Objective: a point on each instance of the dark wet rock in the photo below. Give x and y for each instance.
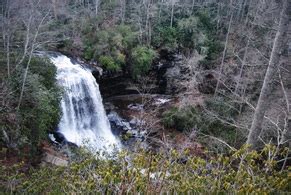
(59, 139)
(115, 86)
(97, 73)
(109, 106)
(125, 129)
(171, 72)
(118, 125)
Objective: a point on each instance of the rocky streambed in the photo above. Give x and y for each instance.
(135, 118)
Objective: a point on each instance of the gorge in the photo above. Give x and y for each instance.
(145, 97)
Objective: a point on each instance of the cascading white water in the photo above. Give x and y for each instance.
(84, 121)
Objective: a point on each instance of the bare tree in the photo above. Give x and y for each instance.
(225, 49)
(33, 46)
(172, 11)
(8, 36)
(256, 128)
(97, 2)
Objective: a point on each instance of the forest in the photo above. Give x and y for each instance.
(145, 96)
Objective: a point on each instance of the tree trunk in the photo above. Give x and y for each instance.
(172, 12)
(242, 9)
(148, 2)
(7, 34)
(256, 128)
(8, 55)
(242, 67)
(96, 7)
(192, 7)
(55, 8)
(224, 51)
(29, 58)
(218, 17)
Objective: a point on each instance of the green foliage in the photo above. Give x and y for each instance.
(189, 33)
(218, 116)
(39, 111)
(214, 48)
(108, 63)
(223, 107)
(213, 119)
(206, 23)
(211, 45)
(96, 44)
(108, 5)
(181, 119)
(121, 59)
(240, 172)
(129, 36)
(142, 58)
(165, 37)
(111, 47)
(46, 71)
(110, 42)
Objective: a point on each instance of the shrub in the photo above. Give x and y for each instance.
(166, 37)
(109, 64)
(108, 42)
(45, 69)
(214, 49)
(181, 119)
(189, 32)
(223, 107)
(39, 111)
(239, 172)
(120, 59)
(111, 47)
(211, 120)
(129, 37)
(218, 115)
(142, 58)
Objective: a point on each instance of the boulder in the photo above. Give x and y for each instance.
(53, 155)
(55, 160)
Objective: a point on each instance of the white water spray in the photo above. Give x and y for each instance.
(84, 121)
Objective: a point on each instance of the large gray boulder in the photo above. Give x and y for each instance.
(55, 160)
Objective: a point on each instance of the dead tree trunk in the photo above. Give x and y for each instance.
(192, 7)
(96, 7)
(172, 12)
(55, 8)
(224, 51)
(256, 128)
(29, 59)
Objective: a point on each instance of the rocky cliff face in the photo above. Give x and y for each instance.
(167, 76)
(171, 73)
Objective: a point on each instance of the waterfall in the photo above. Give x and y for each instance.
(84, 121)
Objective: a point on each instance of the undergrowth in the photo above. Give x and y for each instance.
(242, 171)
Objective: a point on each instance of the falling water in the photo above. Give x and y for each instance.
(84, 121)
